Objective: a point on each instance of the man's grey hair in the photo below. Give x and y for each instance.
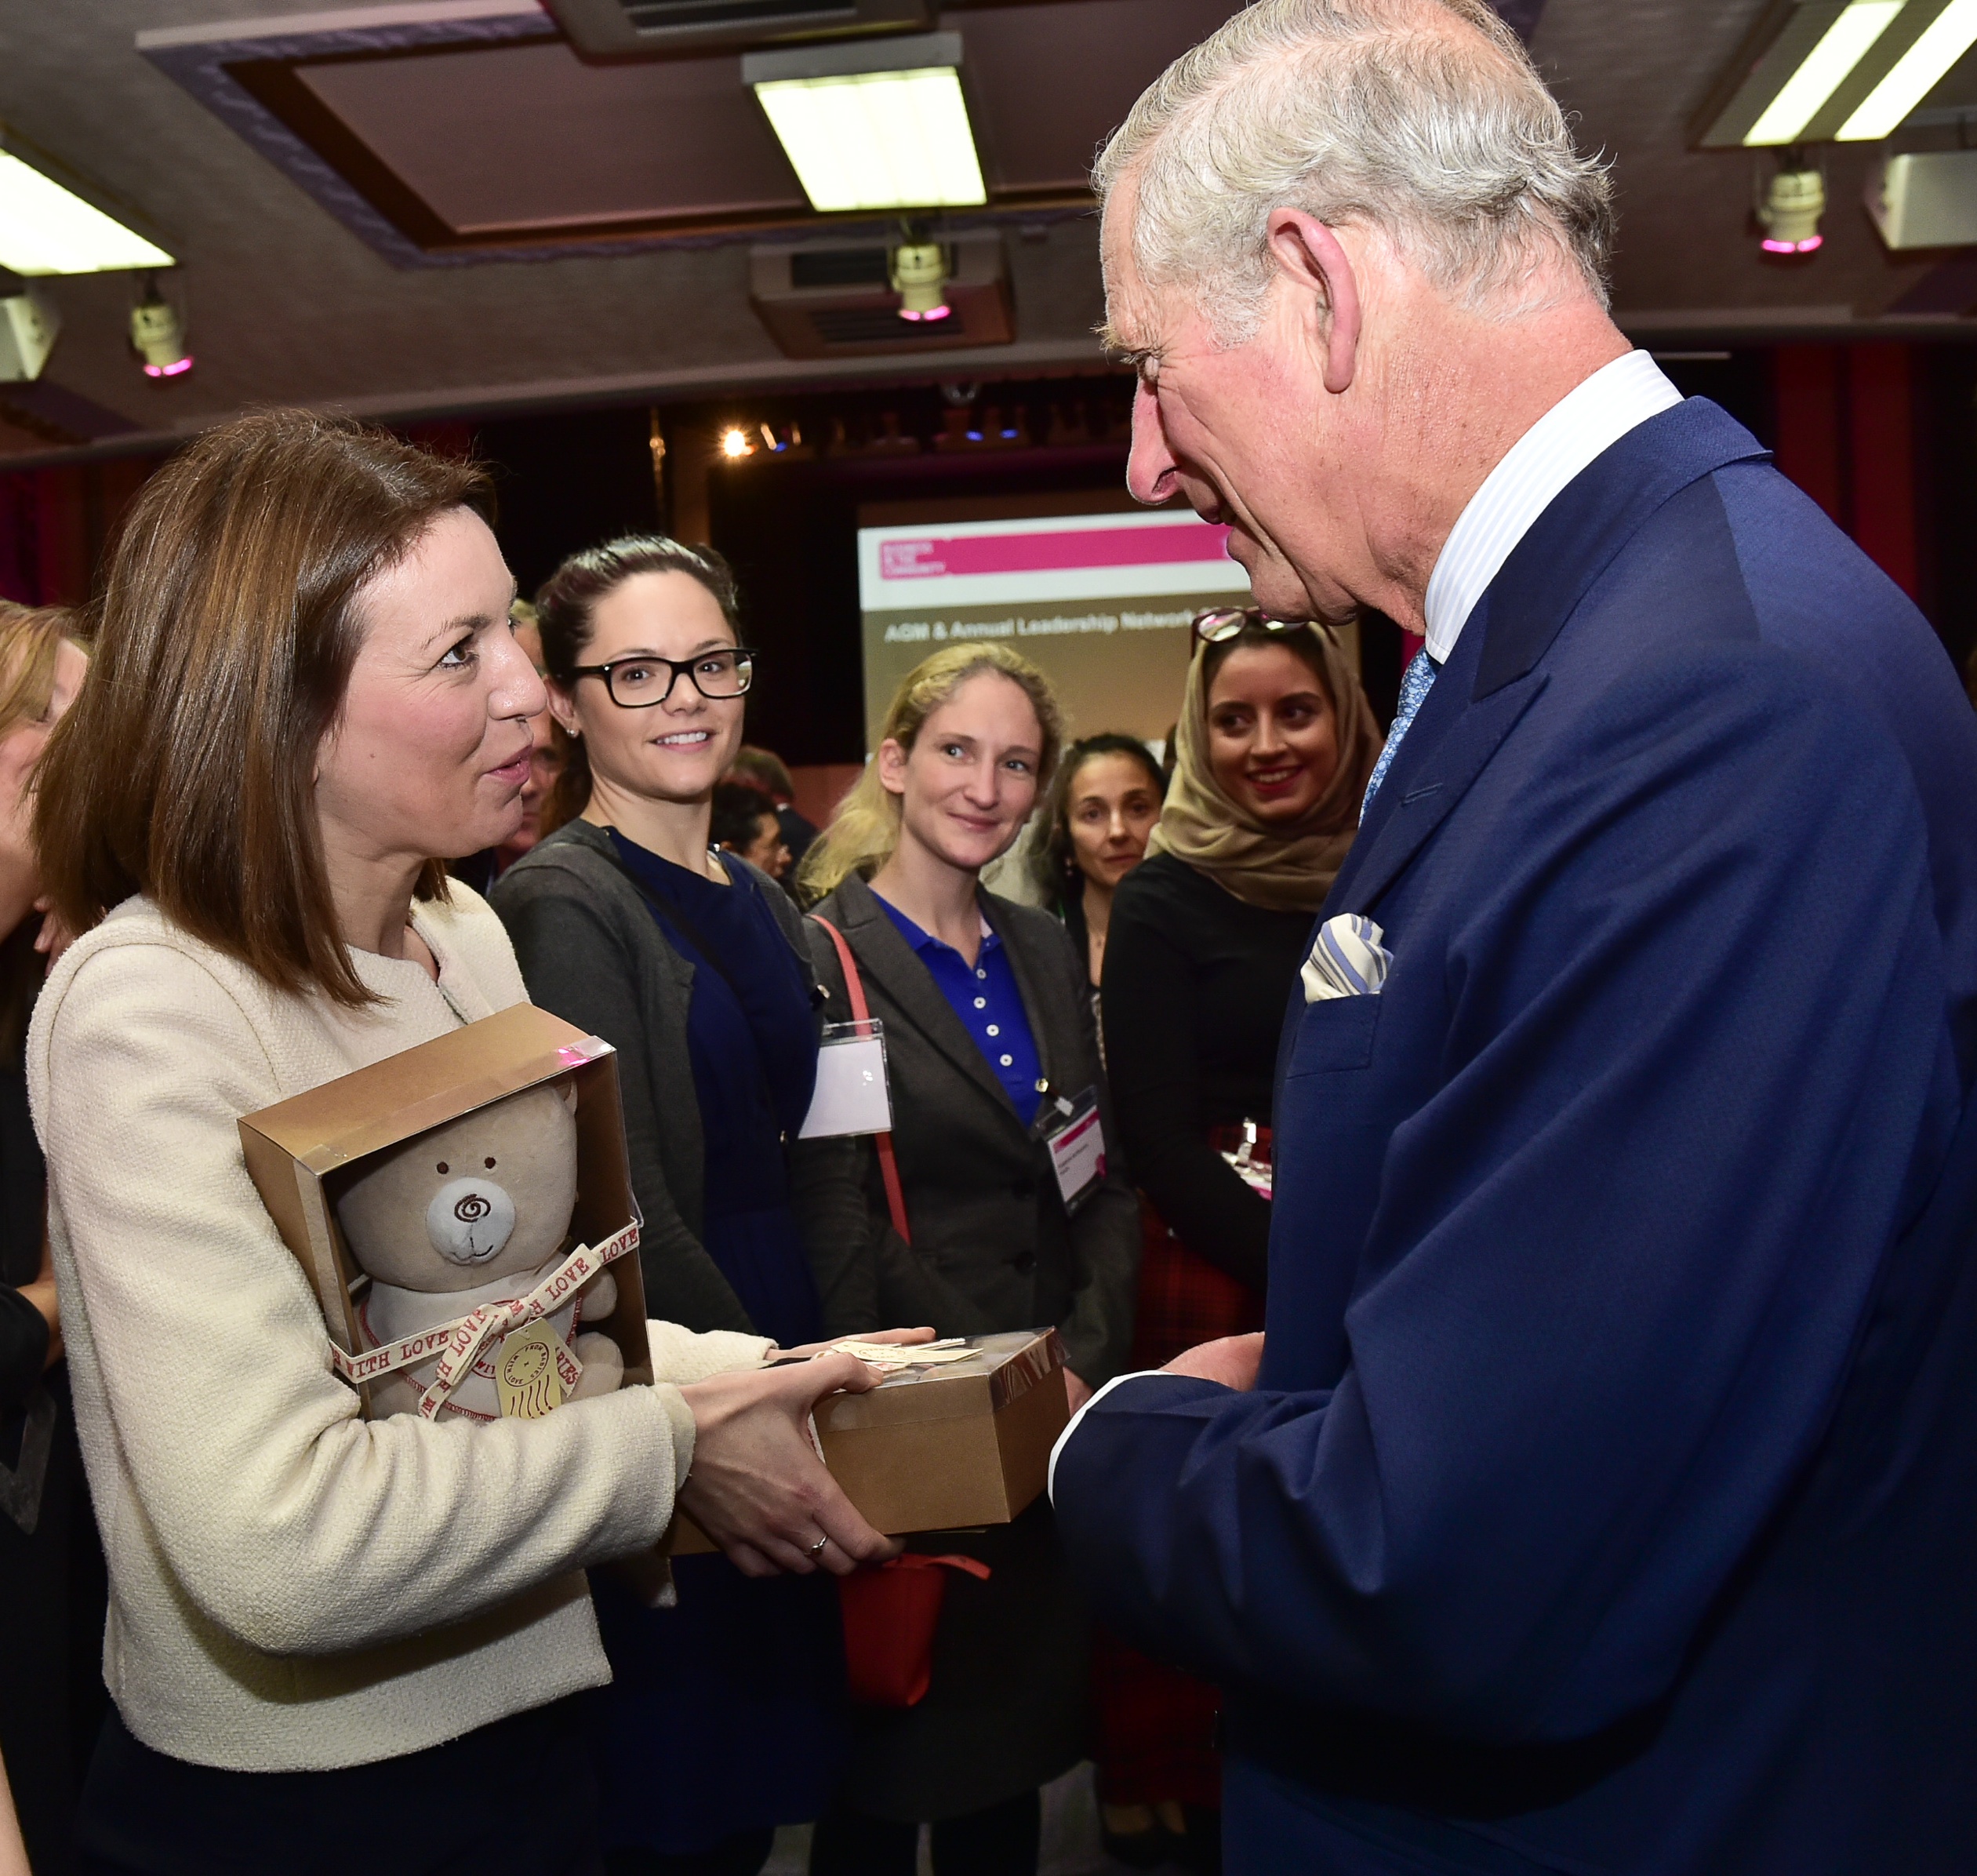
(1384, 112)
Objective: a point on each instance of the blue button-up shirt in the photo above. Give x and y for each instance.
(984, 995)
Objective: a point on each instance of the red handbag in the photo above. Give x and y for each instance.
(891, 1613)
(890, 1616)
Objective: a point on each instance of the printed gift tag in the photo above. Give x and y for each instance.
(526, 1373)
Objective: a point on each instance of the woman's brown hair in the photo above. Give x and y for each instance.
(229, 619)
(564, 607)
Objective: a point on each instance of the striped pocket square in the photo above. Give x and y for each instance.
(1347, 959)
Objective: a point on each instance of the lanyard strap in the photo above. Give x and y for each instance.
(888, 1160)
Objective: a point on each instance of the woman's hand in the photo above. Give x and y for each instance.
(811, 1350)
(758, 1488)
(1077, 1390)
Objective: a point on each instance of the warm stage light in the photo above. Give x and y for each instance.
(47, 229)
(873, 124)
(734, 442)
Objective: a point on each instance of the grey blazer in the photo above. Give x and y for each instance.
(993, 1247)
(592, 952)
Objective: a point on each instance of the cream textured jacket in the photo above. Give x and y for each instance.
(293, 1587)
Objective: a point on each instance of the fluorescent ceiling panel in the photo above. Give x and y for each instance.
(46, 229)
(1841, 48)
(878, 139)
(1914, 74)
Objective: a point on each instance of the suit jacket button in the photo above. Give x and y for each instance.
(1026, 1262)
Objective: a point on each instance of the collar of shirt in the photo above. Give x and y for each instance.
(1584, 423)
(921, 939)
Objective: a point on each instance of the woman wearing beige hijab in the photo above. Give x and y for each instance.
(1275, 745)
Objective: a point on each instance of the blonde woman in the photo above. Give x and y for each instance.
(51, 1569)
(987, 1020)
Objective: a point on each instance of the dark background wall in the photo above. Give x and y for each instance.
(1883, 435)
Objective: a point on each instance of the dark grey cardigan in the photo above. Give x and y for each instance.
(992, 1247)
(592, 952)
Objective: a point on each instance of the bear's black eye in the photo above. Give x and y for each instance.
(490, 1165)
(442, 1167)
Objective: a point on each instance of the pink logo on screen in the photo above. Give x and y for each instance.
(1054, 552)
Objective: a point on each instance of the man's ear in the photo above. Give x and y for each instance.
(1309, 255)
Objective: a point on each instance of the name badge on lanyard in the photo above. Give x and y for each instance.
(1071, 1129)
(851, 1096)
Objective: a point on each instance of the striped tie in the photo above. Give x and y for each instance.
(1416, 682)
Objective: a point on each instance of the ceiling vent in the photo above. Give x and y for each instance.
(836, 300)
(629, 29)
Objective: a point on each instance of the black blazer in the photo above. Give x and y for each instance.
(993, 1247)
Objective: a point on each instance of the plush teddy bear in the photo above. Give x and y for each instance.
(476, 1211)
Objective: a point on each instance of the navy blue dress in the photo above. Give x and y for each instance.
(727, 1714)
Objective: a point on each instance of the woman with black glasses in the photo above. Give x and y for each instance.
(693, 964)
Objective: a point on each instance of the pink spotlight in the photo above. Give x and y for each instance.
(933, 312)
(177, 368)
(1810, 246)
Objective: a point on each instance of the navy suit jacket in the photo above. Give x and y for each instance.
(1607, 1501)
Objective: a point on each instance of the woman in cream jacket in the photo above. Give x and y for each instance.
(330, 1640)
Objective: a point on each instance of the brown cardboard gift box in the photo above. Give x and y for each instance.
(947, 1447)
(302, 1152)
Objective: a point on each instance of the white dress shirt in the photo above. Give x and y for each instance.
(1584, 423)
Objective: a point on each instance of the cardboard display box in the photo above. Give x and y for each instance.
(943, 1448)
(303, 1153)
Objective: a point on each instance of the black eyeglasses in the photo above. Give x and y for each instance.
(641, 682)
(1220, 623)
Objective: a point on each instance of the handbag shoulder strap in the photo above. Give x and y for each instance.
(888, 1160)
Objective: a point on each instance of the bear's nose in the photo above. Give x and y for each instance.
(470, 1220)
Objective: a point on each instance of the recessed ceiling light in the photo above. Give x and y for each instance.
(873, 125)
(1914, 74)
(47, 229)
(1840, 48)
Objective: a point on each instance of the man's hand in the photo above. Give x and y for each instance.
(758, 1487)
(812, 1349)
(1233, 1360)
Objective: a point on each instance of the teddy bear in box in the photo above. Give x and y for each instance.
(476, 1211)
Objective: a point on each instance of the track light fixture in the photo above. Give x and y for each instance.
(918, 270)
(1789, 209)
(157, 335)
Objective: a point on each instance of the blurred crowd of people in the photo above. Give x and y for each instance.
(655, 892)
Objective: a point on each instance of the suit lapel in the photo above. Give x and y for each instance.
(886, 957)
(1493, 676)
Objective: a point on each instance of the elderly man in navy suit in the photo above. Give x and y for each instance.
(1602, 1497)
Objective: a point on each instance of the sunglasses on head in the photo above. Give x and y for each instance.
(1221, 623)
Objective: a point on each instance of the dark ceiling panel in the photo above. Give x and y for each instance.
(1047, 84)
